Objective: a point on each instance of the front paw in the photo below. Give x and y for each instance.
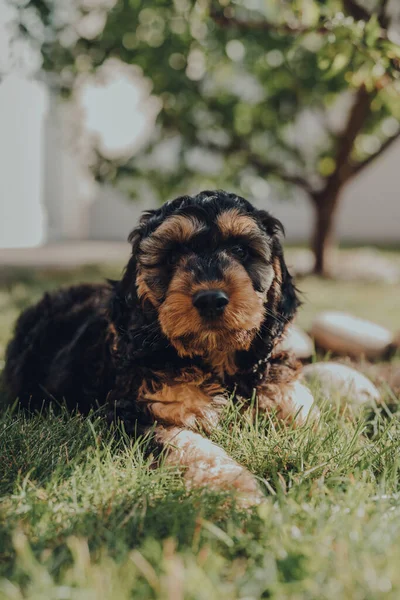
(207, 465)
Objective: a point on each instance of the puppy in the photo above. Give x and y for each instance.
(197, 316)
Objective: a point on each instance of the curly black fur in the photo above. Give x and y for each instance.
(94, 344)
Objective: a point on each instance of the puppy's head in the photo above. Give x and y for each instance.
(211, 268)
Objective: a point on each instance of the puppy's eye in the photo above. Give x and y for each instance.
(239, 252)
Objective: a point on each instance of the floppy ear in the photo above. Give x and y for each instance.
(271, 225)
(289, 301)
(136, 235)
(128, 283)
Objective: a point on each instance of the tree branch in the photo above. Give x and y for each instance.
(260, 25)
(350, 6)
(268, 168)
(274, 169)
(361, 14)
(345, 143)
(383, 17)
(356, 169)
(356, 11)
(356, 120)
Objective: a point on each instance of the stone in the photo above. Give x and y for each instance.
(367, 264)
(303, 400)
(301, 262)
(298, 342)
(343, 383)
(343, 333)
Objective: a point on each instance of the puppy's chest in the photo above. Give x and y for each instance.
(189, 398)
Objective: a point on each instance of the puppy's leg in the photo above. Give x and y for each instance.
(207, 465)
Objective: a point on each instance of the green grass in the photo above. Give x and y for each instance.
(84, 516)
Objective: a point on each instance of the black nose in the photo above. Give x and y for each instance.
(210, 303)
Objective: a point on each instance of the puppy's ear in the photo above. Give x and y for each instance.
(128, 283)
(270, 224)
(136, 235)
(289, 301)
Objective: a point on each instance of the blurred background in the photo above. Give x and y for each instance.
(111, 106)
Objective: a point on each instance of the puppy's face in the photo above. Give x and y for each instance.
(207, 268)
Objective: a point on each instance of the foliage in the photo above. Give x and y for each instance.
(238, 81)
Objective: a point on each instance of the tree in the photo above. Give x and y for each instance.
(235, 85)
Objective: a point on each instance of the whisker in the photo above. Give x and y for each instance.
(280, 318)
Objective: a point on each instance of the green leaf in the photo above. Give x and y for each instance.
(372, 31)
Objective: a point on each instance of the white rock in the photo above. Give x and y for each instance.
(345, 334)
(367, 264)
(298, 342)
(340, 382)
(300, 262)
(303, 401)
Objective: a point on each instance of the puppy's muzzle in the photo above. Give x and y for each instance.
(210, 303)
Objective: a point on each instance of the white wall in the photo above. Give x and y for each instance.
(22, 108)
(66, 197)
(371, 203)
(39, 169)
(369, 212)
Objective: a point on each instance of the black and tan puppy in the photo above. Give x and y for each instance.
(197, 315)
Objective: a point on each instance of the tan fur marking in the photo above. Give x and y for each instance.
(176, 228)
(277, 270)
(189, 401)
(223, 363)
(180, 228)
(208, 465)
(275, 293)
(112, 335)
(231, 223)
(144, 292)
(182, 324)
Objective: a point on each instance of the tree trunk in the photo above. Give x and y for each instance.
(323, 235)
(326, 201)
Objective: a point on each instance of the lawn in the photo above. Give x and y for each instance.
(84, 516)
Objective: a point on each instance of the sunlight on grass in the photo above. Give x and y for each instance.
(85, 516)
(99, 522)
(377, 302)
